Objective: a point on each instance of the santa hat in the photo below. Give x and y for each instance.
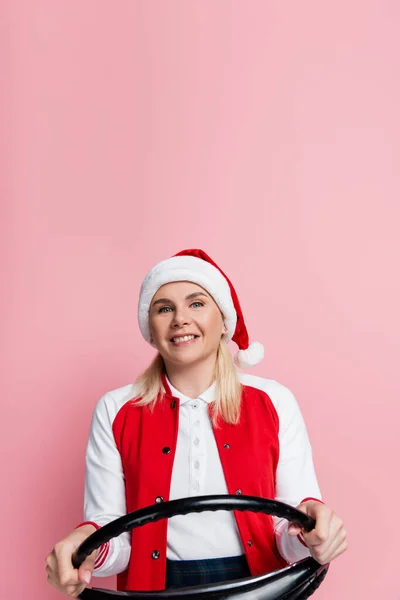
(196, 266)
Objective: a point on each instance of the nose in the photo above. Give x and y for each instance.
(181, 318)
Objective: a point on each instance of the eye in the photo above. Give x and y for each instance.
(165, 309)
(197, 304)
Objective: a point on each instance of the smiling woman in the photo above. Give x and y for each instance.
(192, 425)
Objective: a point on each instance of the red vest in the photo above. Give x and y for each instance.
(249, 453)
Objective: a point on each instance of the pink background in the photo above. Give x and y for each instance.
(265, 132)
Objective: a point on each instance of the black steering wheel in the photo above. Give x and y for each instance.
(295, 582)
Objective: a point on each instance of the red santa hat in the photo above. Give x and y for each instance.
(196, 266)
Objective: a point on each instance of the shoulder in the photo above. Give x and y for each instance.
(113, 401)
(279, 394)
(282, 398)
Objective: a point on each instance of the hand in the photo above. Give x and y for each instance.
(60, 571)
(328, 539)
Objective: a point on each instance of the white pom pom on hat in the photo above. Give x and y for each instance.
(196, 266)
(251, 356)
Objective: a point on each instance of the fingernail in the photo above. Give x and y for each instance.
(87, 576)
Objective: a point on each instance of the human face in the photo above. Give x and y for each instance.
(183, 309)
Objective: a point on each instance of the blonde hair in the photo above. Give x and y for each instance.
(228, 386)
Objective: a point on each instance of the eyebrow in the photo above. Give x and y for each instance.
(189, 297)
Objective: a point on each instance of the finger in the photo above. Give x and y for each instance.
(51, 581)
(321, 533)
(51, 561)
(324, 551)
(51, 570)
(86, 569)
(336, 526)
(67, 575)
(51, 573)
(342, 548)
(79, 590)
(332, 553)
(72, 590)
(336, 533)
(327, 551)
(324, 523)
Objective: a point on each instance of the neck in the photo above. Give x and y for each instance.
(192, 380)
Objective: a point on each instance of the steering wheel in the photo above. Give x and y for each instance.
(294, 582)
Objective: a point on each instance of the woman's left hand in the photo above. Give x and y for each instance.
(328, 539)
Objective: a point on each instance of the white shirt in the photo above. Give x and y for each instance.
(197, 470)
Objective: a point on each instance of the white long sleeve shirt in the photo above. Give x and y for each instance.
(197, 470)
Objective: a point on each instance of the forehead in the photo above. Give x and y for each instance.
(178, 290)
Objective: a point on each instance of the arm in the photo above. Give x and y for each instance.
(296, 481)
(104, 498)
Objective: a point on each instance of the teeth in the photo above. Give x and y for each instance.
(185, 338)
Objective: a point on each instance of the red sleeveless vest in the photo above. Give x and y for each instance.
(249, 453)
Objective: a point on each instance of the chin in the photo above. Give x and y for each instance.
(193, 359)
(185, 358)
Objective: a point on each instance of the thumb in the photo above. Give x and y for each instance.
(86, 569)
(294, 529)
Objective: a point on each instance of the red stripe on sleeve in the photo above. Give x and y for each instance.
(104, 548)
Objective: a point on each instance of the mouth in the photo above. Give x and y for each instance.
(184, 340)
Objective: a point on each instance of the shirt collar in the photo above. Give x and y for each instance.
(207, 396)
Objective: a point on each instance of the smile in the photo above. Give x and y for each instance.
(184, 339)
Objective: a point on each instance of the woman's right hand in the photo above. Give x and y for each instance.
(61, 573)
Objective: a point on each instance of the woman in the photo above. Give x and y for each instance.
(192, 425)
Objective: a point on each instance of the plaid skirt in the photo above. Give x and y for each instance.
(185, 573)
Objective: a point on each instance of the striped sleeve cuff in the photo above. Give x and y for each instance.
(103, 550)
